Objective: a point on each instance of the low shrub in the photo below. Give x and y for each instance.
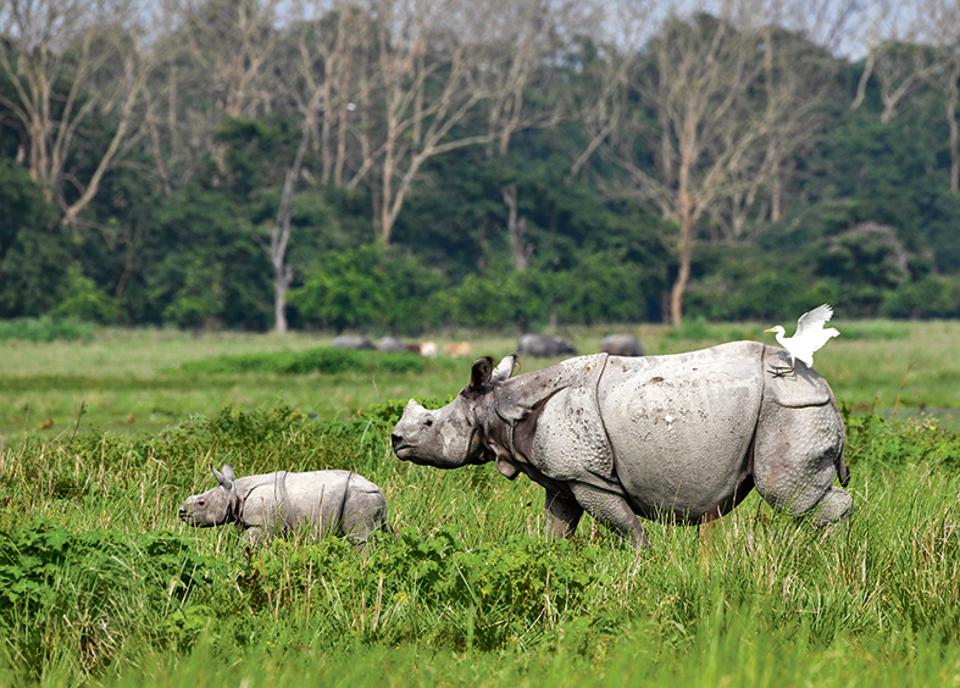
(489, 594)
(46, 329)
(87, 593)
(324, 360)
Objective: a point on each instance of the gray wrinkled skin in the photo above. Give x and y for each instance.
(327, 502)
(680, 439)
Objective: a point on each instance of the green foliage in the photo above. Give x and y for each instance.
(867, 219)
(84, 301)
(33, 248)
(83, 591)
(208, 268)
(46, 329)
(931, 296)
(368, 287)
(492, 594)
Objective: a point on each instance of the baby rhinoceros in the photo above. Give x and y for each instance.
(327, 502)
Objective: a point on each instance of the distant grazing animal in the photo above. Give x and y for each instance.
(622, 345)
(391, 345)
(457, 349)
(328, 502)
(809, 337)
(352, 341)
(428, 349)
(543, 346)
(681, 438)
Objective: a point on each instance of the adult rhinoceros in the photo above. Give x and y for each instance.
(681, 438)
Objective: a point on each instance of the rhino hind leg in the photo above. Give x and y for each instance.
(364, 513)
(835, 505)
(613, 511)
(796, 458)
(562, 513)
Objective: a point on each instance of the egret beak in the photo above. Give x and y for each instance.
(770, 329)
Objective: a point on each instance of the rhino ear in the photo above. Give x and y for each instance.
(480, 375)
(504, 369)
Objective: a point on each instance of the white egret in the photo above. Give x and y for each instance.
(809, 337)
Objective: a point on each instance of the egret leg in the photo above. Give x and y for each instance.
(781, 371)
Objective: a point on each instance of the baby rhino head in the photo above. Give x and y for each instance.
(213, 507)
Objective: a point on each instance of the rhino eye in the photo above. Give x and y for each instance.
(201, 502)
(428, 422)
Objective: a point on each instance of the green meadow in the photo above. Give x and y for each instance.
(102, 585)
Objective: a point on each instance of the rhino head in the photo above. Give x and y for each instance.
(452, 436)
(213, 507)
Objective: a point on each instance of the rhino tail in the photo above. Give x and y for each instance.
(843, 473)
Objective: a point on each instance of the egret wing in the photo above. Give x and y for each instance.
(812, 321)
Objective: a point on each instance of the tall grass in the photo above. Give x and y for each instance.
(101, 583)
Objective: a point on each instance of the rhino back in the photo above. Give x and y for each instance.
(317, 498)
(680, 426)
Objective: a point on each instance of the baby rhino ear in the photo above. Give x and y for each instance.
(224, 477)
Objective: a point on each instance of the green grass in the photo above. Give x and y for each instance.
(101, 584)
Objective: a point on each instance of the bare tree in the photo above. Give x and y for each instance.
(71, 65)
(940, 21)
(427, 83)
(698, 82)
(280, 233)
(896, 60)
(795, 40)
(518, 38)
(606, 67)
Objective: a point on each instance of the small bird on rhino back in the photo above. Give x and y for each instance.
(809, 338)
(327, 502)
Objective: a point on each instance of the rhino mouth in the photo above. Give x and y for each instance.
(403, 451)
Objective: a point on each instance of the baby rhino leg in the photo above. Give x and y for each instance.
(363, 513)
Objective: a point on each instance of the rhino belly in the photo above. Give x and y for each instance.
(680, 435)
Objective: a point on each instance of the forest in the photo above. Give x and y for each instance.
(400, 166)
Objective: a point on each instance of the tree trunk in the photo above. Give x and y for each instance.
(776, 198)
(684, 205)
(953, 94)
(683, 273)
(281, 283)
(516, 229)
(280, 235)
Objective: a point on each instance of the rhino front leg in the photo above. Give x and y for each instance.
(612, 510)
(563, 514)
